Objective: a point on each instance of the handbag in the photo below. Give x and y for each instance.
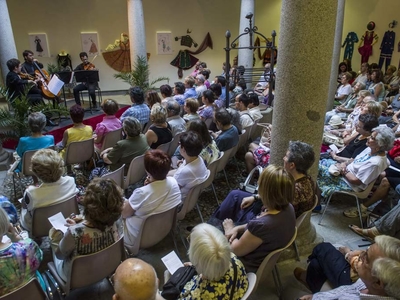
(265, 138)
(173, 287)
(251, 183)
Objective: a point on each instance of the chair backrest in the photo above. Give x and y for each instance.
(213, 170)
(243, 137)
(31, 288)
(117, 176)
(136, 171)
(91, 268)
(252, 282)
(154, 229)
(191, 199)
(224, 160)
(270, 260)
(301, 218)
(26, 162)
(208, 122)
(174, 144)
(147, 126)
(165, 147)
(111, 138)
(79, 152)
(40, 224)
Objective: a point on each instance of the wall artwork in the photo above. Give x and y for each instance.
(90, 43)
(164, 42)
(38, 44)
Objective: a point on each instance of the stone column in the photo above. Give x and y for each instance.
(137, 34)
(245, 55)
(8, 49)
(305, 57)
(337, 46)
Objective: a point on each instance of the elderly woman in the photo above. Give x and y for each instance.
(159, 194)
(36, 122)
(356, 175)
(125, 150)
(190, 107)
(377, 88)
(242, 206)
(48, 166)
(217, 267)
(110, 122)
(160, 131)
(99, 227)
(273, 227)
(20, 258)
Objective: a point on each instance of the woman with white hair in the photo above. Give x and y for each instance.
(210, 253)
(160, 131)
(124, 151)
(19, 257)
(48, 166)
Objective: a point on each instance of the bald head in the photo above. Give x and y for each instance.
(135, 279)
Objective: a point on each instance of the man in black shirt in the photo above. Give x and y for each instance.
(28, 66)
(90, 86)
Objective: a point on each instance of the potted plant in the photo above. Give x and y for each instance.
(139, 75)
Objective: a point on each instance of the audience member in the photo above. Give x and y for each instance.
(160, 131)
(139, 109)
(200, 87)
(389, 76)
(190, 108)
(229, 136)
(344, 89)
(206, 73)
(166, 93)
(217, 90)
(377, 88)
(174, 120)
(152, 98)
(179, 91)
(196, 69)
(207, 111)
(190, 90)
(362, 77)
(241, 104)
(253, 106)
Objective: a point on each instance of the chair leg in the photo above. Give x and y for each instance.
(277, 281)
(215, 193)
(326, 207)
(226, 178)
(182, 239)
(359, 212)
(297, 250)
(198, 210)
(174, 240)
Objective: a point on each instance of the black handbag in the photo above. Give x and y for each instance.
(173, 287)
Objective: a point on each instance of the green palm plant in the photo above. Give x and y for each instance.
(14, 122)
(139, 75)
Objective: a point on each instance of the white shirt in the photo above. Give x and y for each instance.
(245, 118)
(177, 124)
(255, 113)
(200, 90)
(344, 90)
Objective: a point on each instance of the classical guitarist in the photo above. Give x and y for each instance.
(90, 86)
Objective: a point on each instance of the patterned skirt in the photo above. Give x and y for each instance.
(328, 183)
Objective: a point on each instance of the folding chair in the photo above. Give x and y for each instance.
(111, 138)
(136, 171)
(31, 288)
(117, 176)
(79, 152)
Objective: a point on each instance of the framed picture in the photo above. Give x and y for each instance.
(38, 44)
(164, 42)
(90, 43)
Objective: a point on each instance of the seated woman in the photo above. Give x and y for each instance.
(99, 227)
(36, 123)
(207, 110)
(152, 98)
(273, 227)
(217, 267)
(110, 122)
(159, 132)
(377, 88)
(366, 167)
(192, 171)
(190, 107)
(242, 206)
(124, 151)
(78, 131)
(48, 166)
(159, 194)
(210, 151)
(20, 258)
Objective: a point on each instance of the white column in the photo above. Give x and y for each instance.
(336, 54)
(137, 34)
(245, 55)
(8, 49)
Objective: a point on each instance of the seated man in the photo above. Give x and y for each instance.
(221, 81)
(393, 108)
(135, 279)
(229, 136)
(377, 268)
(174, 120)
(393, 91)
(344, 89)
(242, 102)
(362, 77)
(90, 86)
(139, 109)
(254, 110)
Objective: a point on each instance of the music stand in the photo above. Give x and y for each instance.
(66, 77)
(88, 77)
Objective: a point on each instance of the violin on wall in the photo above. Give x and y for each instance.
(44, 77)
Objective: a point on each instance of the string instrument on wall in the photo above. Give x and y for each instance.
(44, 79)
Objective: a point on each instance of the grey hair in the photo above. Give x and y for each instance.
(384, 137)
(47, 165)
(302, 155)
(201, 78)
(387, 270)
(235, 118)
(361, 84)
(173, 106)
(209, 251)
(36, 122)
(132, 126)
(4, 222)
(390, 246)
(364, 93)
(158, 114)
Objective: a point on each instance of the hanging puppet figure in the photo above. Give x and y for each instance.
(348, 43)
(369, 39)
(39, 48)
(387, 47)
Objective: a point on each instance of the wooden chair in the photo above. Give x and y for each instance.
(117, 176)
(40, 215)
(154, 229)
(111, 138)
(136, 171)
(357, 195)
(31, 288)
(89, 269)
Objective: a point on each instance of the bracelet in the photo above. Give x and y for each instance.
(256, 197)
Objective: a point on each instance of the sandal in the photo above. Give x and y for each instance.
(353, 213)
(369, 233)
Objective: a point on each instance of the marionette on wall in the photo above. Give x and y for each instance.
(348, 43)
(368, 40)
(387, 46)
